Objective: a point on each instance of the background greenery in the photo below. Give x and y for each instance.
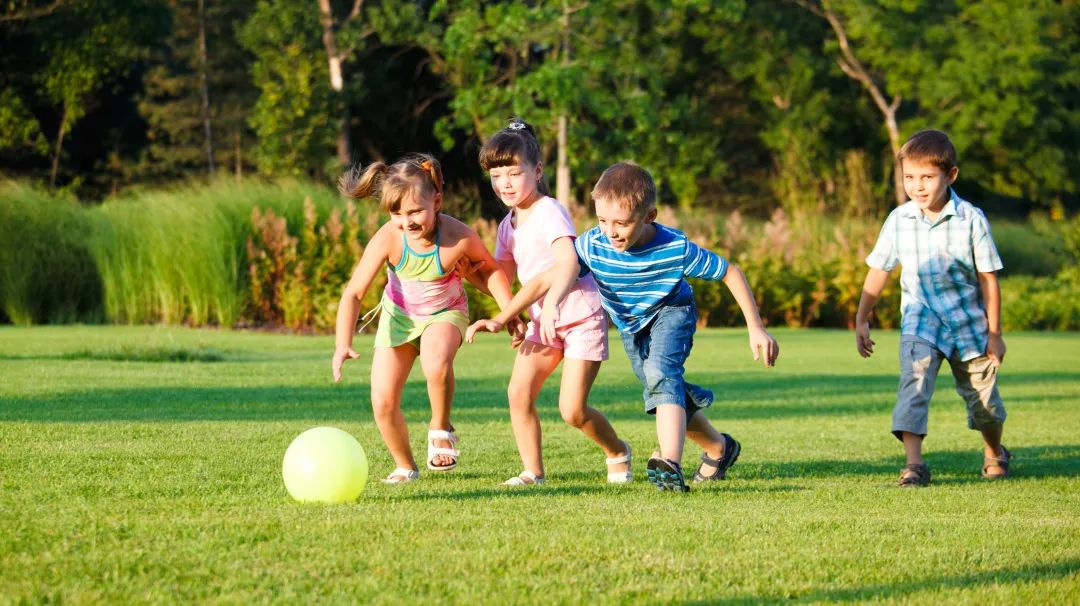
(277, 255)
(732, 104)
(129, 475)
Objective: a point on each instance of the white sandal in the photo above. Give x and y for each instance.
(525, 478)
(401, 475)
(620, 477)
(435, 451)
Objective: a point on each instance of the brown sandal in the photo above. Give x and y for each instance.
(1002, 462)
(914, 474)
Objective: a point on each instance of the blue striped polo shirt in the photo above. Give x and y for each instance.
(635, 284)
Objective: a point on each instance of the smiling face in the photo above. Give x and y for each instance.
(516, 184)
(623, 227)
(417, 217)
(927, 184)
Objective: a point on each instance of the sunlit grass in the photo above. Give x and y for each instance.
(150, 480)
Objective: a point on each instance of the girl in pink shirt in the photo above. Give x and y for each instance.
(537, 235)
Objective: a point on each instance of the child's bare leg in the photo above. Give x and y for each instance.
(992, 447)
(577, 380)
(438, 347)
(671, 431)
(912, 447)
(390, 368)
(532, 366)
(701, 431)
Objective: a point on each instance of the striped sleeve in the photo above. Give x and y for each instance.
(702, 263)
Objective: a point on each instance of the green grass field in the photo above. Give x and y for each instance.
(143, 464)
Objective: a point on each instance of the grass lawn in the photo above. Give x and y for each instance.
(143, 464)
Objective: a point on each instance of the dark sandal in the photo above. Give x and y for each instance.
(732, 448)
(666, 475)
(915, 474)
(1002, 462)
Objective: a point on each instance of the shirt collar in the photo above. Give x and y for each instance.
(951, 208)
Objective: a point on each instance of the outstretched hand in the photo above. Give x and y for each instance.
(764, 347)
(340, 356)
(487, 324)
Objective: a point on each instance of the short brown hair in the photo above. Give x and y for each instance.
(418, 175)
(930, 146)
(628, 185)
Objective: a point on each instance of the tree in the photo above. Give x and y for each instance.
(294, 117)
(188, 118)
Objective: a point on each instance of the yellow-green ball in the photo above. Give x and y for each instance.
(325, 465)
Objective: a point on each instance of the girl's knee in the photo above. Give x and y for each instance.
(439, 372)
(574, 418)
(384, 405)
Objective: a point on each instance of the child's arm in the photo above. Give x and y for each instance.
(555, 282)
(564, 275)
(991, 293)
(762, 344)
(875, 282)
(375, 254)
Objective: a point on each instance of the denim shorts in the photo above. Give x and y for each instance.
(976, 382)
(658, 352)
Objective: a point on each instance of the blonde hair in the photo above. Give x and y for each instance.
(930, 146)
(628, 185)
(418, 175)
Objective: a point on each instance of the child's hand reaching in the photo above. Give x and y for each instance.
(764, 346)
(516, 328)
(488, 325)
(340, 356)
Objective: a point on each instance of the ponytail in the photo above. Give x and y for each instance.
(361, 184)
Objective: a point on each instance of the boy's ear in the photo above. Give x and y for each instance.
(651, 215)
(953, 172)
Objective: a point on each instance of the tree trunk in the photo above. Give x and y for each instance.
(204, 85)
(562, 168)
(59, 146)
(239, 156)
(854, 69)
(337, 81)
(562, 171)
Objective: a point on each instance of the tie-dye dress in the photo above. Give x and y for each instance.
(418, 294)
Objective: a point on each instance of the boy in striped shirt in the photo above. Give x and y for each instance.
(641, 267)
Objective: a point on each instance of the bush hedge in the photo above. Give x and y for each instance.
(277, 254)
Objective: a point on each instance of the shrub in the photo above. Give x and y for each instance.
(47, 271)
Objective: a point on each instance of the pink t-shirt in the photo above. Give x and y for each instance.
(529, 245)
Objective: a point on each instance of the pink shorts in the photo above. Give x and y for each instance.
(585, 339)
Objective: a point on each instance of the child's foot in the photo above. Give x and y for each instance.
(716, 468)
(996, 466)
(619, 467)
(525, 478)
(442, 450)
(402, 475)
(914, 475)
(666, 474)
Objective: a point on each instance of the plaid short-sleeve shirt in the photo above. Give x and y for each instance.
(940, 298)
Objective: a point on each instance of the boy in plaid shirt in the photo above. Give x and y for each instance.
(950, 304)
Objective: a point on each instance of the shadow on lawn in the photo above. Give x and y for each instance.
(739, 397)
(949, 467)
(912, 587)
